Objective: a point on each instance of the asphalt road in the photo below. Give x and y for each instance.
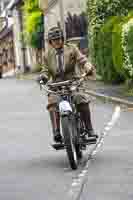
(110, 175)
(30, 169)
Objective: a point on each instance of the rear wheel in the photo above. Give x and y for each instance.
(69, 141)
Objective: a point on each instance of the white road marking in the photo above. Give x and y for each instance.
(77, 185)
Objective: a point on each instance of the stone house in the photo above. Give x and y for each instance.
(27, 58)
(7, 58)
(22, 55)
(68, 14)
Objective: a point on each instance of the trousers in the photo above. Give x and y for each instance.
(82, 104)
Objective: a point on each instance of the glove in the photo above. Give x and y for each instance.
(90, 73)
(43, 78)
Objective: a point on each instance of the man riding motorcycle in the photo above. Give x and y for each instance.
(61, 62)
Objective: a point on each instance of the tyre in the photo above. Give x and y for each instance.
(0, 74)
(77, 141)
(67, 132)
(79, 152)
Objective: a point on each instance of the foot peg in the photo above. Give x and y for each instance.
(88, 140)
(58, 146)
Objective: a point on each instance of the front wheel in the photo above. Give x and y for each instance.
(69, 141)
(79, 152)
(0, 74)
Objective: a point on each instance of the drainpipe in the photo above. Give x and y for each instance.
(22, 43)
(44, 5)
(61, 7)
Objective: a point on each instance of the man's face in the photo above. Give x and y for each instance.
(57, 44)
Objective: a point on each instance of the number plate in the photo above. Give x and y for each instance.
(64, 106)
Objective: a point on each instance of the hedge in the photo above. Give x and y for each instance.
(127, 46)
(104, 18)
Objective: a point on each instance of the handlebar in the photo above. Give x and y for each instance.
(62, 83)
(68, 82)
(46, 89)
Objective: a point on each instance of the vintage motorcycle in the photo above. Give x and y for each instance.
(73, 130)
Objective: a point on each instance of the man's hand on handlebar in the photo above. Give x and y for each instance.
(90, 71)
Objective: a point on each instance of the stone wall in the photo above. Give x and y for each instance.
(7, 58)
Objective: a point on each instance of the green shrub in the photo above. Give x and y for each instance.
(30, 6)
(33, 24)
(117, 51)
(114, 58)
(104, 43)
(127, 45)
(104, 32)
(117, 48)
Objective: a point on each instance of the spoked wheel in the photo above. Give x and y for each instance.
(77, 143)
(67, 131)
(0, 74)
(79, 152)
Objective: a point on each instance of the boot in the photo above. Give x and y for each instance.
(85, 115)
(55, 121)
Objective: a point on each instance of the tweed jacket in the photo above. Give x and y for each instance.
(75, 63)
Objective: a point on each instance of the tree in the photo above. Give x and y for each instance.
(33, 24)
